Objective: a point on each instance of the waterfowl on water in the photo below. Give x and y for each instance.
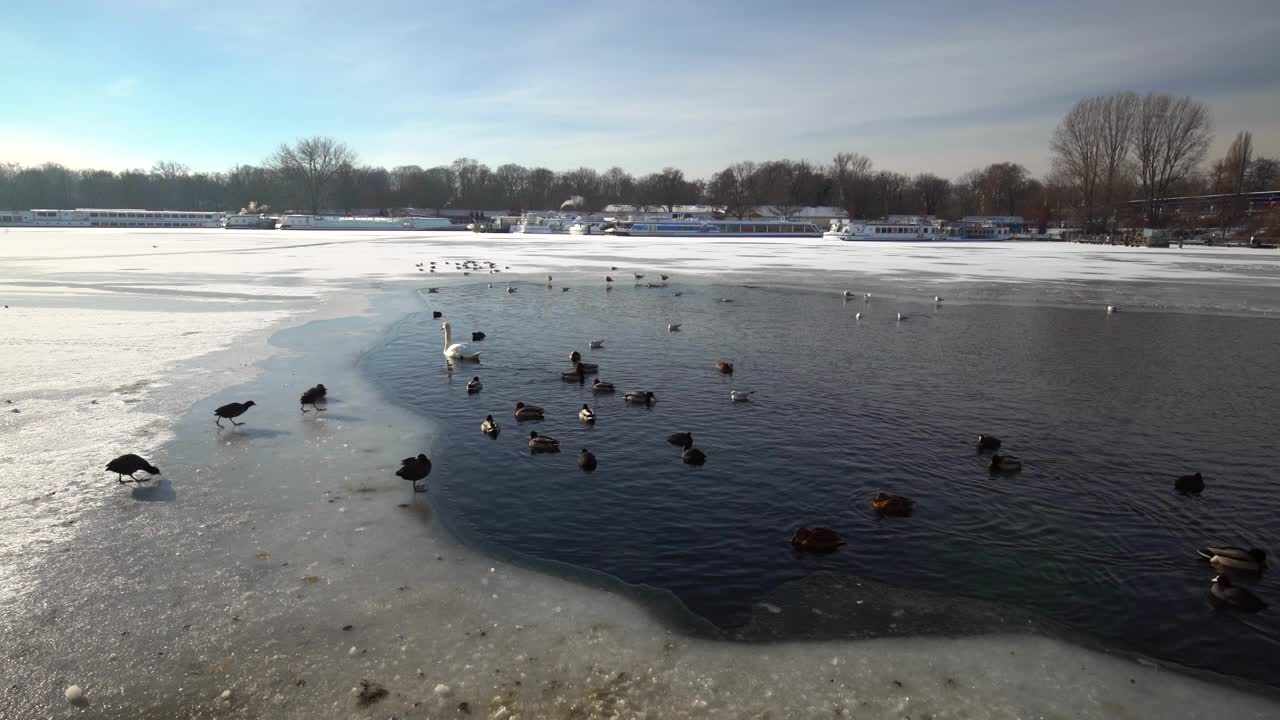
(548, 281)
(527, 412)
(1234, 558)
(676, 294)
(1193, 484)
(665, 277)
(741, 395)
(673, 327)
(585, 414)
(847, 294)
(867, 297)
(608, 279)
(887, 504)
(311, 397)
(436, 314)
(1112, 309)
(902, 317)
(1004, 463)
(510, 289)
(857, 316)
(414, 469)
(937, 300)
(456, 351)
(680, 439)
(816, 540)
(636, 397)
(564, 289)
(638, 276)
(474, 386)
(489, 426)
(596, 344)
(692, 455)
(131, 464)
(586, 461)
(988, 443)
(725, 368)
(231, 411)
(543, 443)
(575, 357)
(726, 300)
(1223, 594)
(477, 336)
(601, 386)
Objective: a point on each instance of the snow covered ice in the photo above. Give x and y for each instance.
(240, 582)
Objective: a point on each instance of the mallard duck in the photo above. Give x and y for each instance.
(1004, 463)
(725, 368)
(1223, 594)
(577, 374)
(816, 540)
(1234, 558)
(638, 276)
(586, 461)
(741, 395)
(510, 289)
(636, 397)
(575, 357)
(847, 294)
(596, 344)
(600, 386)
(489, 426)
(988, 443)
(585, 414)
(130, 465)
(680, 439)
(474, 386)
(543, 443)
(887, 504)
(313, 396)
(527, 412)
(414, 469)
(1193, 484)
(673, 327)
(692, 455)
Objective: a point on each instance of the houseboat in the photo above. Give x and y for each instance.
(539, 224)
(719, 228)
(907, 229)
(249, 222)
(356, 222)
(102, 218)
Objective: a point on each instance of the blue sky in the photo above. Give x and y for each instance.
(941, 86)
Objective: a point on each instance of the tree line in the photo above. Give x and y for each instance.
(1106, 151)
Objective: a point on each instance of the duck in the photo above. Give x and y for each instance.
(902, 317)
(1113, 309)
(741, 395)
(543, 443)
(887, 504)
(477, 336)
(548, 281)
(692, 455)
(673, 327)
(456, 351)
(595, 344)
(527, 412)
(564, 289)
(1230, 557)
(1004, 463)
(414, 469)
(867, 297)
(726, 300)
(847, 294)
(677, 294)
(489, 426)
(575, 357)
(638, 276)
(1189, 484)
(614, 268)
(578, 374)
(680, 439)
(637, 397)
(586, 460)
(130, 464)
(600, 386)
(608, 279)
(937, 299)
(988, 443)
(313, 396)
(436, 314)
(725, 367)
(585, 414)
(816, 540)
(231, 411)
(474, 386)
(1223, 594)
(665, 277)
(510, 289)
(857, 316)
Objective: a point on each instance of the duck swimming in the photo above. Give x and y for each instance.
(816, 540)
(130, 465)
(575, 357)
(988, 443)
(527, 412)
(680, 439)
(848, 294)
(725, 368)
(692, 455)
(741, 395)
(474, 386)
(1223, 594)
(489, 426)
(600, 386)
(1189, 484)
(1230, 557)
(887, 504)
(636, 397)
(585, 414)
(586, 461)
(477, 336)
(543, 443)
(414, 469)
(578, 374)
(596, 344)
(673, 327)
(1004, 463)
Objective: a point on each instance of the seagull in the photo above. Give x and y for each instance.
(1112, 309)
(673, 327)
(937, 300)
(740, 395)
(857, 316)
(902, 317)
(548, 281)
(848, 293)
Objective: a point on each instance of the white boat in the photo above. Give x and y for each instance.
(590, 227)
(356, 222)
(95, 217)
(719, 228)
(249, 222)
(897, 230)
(535, 223)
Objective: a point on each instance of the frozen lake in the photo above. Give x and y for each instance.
(241, 569)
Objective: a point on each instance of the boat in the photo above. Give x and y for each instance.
(103, 218)
(357, 222)
(249, 222)
(910, 229)
(536, 223)
(590, 227)
(719, 228)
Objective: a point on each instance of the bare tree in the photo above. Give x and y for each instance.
(1118, 116)
(1077, 147)
(1239, 157)
(1171, 137)
(312, 163)
(932, 192)
(851, 173)
(1263, 174)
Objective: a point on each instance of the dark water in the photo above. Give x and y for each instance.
(1104, 411)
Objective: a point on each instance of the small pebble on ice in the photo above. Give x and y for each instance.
(74, 695)
(443, 690)
(352, 651)
(226, 695)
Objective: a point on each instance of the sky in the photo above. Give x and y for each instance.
(917, 86)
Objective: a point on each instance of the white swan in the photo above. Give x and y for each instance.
(740, 395)
(456, 351)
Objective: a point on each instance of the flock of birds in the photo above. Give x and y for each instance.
(1226, 559)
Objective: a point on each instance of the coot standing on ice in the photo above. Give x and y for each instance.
(313, 396)
(231, 411)
(414, 469)
(129, 465)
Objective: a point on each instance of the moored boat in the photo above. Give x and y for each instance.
(356, 222)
